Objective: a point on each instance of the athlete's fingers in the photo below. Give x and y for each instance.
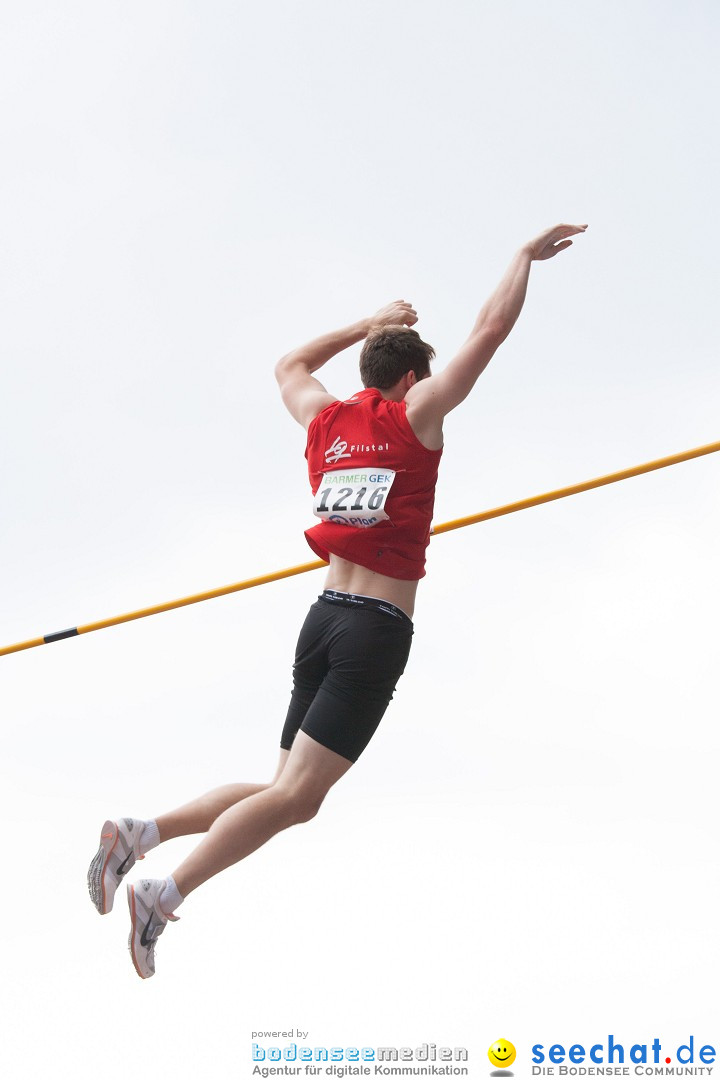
(396, 313)
(407, 311)
(572, 230)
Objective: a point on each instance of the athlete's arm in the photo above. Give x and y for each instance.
(305, 396)
(430, 400)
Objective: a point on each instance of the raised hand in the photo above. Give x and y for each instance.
(398, 313)
(551, 241)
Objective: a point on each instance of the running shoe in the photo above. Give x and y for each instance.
(148, 921)
(119, 848)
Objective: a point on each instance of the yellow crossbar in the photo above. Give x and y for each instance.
(303, 568)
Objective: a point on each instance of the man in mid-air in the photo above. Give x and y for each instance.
(373, 464)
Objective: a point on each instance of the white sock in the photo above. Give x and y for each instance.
(170, 898)
(150, 837)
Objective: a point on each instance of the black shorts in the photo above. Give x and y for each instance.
(350, 654)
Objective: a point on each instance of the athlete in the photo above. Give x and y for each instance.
(373, 463)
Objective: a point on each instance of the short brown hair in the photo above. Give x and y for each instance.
(389, 353)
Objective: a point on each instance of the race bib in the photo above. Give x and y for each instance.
(354, 498)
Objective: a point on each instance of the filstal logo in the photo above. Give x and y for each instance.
(501, 1055)
(340, 446)
(336, 451)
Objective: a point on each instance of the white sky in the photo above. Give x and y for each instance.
(527, 849)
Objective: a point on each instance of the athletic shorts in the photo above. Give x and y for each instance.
(350, 654)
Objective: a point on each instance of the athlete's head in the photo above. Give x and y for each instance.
(389, 353)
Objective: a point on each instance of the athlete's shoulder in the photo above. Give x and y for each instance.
(367, 396)
(324, 415)
(362, 397)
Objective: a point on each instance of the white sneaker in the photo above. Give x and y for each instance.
(148, 921)
(119, 848)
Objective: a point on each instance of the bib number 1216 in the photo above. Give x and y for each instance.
(354, 498)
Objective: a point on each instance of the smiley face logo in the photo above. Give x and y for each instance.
(502, 1053)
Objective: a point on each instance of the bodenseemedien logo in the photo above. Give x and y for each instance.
(340, 1062)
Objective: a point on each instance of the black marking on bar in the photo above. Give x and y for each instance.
(60, 635)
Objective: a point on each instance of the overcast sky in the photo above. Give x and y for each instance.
(527, 849)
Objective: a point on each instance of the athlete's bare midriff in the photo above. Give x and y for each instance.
(349, 577)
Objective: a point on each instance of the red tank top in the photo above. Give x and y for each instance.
(373, 484)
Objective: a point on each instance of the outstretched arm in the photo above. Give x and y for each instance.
(430, 400)
(305, 396)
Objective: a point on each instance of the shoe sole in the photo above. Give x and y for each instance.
(96, 872)
(133, 925)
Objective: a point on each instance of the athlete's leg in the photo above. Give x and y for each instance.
(124, 841)
(197, 816)
(309, 773)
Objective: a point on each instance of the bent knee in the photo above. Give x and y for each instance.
(307, 808)
(302, 806)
